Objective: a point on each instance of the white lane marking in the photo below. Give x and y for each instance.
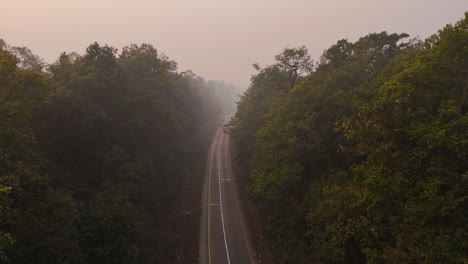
(221, 199)
(209, 195)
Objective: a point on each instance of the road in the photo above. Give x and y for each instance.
(224, 236)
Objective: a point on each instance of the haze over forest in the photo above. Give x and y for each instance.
(279, 132)
(218, 40)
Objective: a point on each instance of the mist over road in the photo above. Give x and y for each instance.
(224, 236)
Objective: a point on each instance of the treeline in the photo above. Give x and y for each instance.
(92, 150)
(361, 157)
(227, 94)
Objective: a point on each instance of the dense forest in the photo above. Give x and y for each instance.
(93, 149)
(361, 157)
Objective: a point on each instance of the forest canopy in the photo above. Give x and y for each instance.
(358, 157)
(93, 149)
(364, 159)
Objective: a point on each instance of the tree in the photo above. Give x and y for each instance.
(316, 195)
(126, 119)
(6, 241)
(109, 229)
(295, 62)
(36, 221)
(411, 133)
(27, 59)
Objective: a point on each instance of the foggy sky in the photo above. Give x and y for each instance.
(217, 39)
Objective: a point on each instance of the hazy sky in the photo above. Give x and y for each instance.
(217, 39)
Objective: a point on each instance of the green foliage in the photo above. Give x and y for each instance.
(365, 160)
(108, 229)
(251, 109)
(6, 241)
(93, 121)
(295, 62)
(45, 226)
(415, 170)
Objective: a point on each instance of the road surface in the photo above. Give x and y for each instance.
(224, 236)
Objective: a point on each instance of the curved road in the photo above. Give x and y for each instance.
(224, 237)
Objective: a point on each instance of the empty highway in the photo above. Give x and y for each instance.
(224, 236)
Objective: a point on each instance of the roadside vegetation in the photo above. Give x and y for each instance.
(93, 149)
(362, 156)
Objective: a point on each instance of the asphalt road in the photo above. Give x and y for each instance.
(224, 236)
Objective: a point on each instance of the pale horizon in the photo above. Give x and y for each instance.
(218, 40)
